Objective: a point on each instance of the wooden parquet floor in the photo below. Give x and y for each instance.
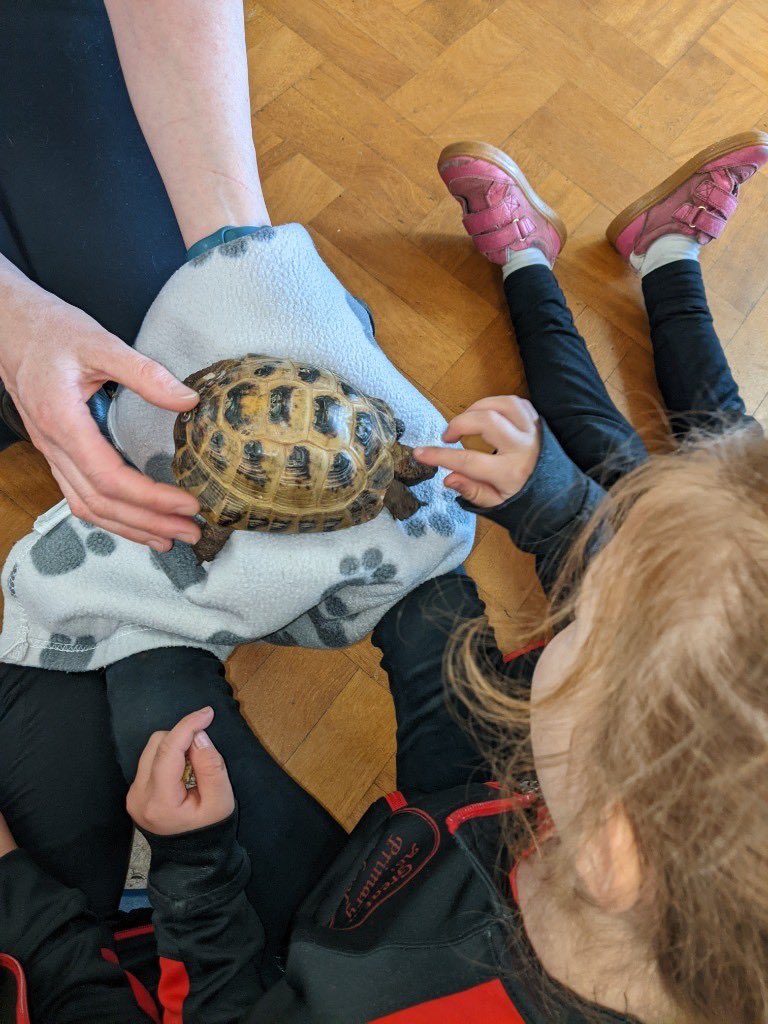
(596, 99)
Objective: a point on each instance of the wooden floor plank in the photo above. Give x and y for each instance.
(327, 30)
(665, 29)
(458, 73)
(409, 338)
(740, 38)
(401, 266)
(668, 108)
(348, 747)
(284, 58)
(345, 158)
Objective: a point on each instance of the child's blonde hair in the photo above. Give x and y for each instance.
(673, 726)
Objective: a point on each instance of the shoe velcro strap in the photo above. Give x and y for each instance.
(713, 195)
(700, 219)
(510, 235)
(490, 219)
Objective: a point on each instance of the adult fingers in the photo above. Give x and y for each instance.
(171, 753)
(108, 474)
(122, 495)
(519, 411)
(71, 430)
(475, 465)
(492, 426)
(160, 544)
(130, 521)
(143, 375)
(67, 431)
(474, 491)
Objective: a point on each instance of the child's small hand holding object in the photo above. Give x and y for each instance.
(508, 424)
(159, 801)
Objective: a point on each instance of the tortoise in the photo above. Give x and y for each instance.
(286, 447)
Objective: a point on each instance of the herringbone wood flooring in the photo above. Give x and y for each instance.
(353, 100)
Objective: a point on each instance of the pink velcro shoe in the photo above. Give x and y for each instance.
(502, 212)
(696, 200)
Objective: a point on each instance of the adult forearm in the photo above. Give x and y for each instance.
(22, 303)
(185, 66)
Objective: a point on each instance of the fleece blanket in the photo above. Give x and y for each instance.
(77, 597)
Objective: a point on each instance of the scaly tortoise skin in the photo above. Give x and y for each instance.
(286, 447)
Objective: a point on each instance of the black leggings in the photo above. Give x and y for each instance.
(565, 387)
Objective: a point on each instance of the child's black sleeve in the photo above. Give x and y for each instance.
(545, 517)
(209, 938)
(64, 954)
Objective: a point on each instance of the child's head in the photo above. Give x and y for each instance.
(649, 725)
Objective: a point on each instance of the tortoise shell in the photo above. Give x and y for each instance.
(283, 447)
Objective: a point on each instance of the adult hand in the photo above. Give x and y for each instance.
(7, 842)
(508, 424)
(159, 802)
(53, 357)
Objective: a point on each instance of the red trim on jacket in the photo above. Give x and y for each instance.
(488, 808)
(396, 800)
(534, 646)
(172, 990)
(134, 933)
(482, 1004)
(22, 1005)
(143, 999)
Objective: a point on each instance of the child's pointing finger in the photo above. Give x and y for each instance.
(473, 464)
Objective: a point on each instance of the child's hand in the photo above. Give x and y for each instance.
(7, 842)
(159, 802)
(507, 423)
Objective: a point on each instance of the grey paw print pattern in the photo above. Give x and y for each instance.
(332, 611)
(180, 566)
(100, 543)
(443, 517)
(12, 580)
(234, 248)
(62, 551)
(237, 247)
(442, 523)
(224, 638)
(159, 467)
(281, 638)
(71, 654)
(364, 315)
(415, 526)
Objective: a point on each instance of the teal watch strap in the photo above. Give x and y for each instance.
(226, 234)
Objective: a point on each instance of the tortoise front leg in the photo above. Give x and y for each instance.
(400, 501)
(211, 542)
(407, 469)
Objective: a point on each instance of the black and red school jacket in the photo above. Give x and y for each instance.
(415, 923)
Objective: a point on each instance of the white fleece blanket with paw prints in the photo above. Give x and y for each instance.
(77, 597)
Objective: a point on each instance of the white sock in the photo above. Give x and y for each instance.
(529, 257)
(667, 249)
